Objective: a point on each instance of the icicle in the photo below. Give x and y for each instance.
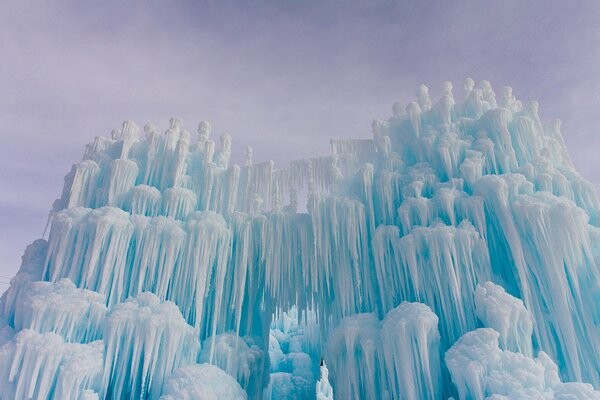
(83, 185)
(410, 351)
(178, 202)
(42, 366)
(121, 177)
(224, 154)
(144, 200)
(488, 94)
(32, 267)
(59, 307)
(249, 156)
(130, 134)
(414, 113)
(352, 356)
(507, 315)
(144, 342)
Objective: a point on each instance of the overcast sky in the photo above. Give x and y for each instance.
(283, 76)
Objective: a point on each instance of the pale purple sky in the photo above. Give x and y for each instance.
(283, 76)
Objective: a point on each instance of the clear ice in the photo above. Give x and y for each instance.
(454, 254)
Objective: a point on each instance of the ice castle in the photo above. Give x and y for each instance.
(453, 254)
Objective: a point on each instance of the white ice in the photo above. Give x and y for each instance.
(202, 381)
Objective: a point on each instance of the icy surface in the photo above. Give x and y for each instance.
(461, 210)
(203, 381)
(43, 366)
(59, 307)
(240, 358)
(397, 358)
(324, 389)
(480, 369)
(144, 342)
(507, 315)
(295, 353)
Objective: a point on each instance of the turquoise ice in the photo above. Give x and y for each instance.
(452, 254)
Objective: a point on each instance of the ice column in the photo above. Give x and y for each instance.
(507, 315)
(144, 342)
(410, 346)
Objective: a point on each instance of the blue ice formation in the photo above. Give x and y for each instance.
(202, 381)
(453, 254)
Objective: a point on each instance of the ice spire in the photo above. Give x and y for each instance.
(468, 86)
(423, 98)
(324, 389)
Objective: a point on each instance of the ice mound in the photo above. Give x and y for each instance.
(203, 381)
(31, 270)
(239, 357)
(480, 370)
(374, 260)
(59, 307)
(43, 366)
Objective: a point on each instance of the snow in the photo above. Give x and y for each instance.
(461, 211)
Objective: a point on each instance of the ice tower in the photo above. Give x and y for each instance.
(453, 254)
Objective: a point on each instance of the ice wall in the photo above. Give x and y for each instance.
(458, 212)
